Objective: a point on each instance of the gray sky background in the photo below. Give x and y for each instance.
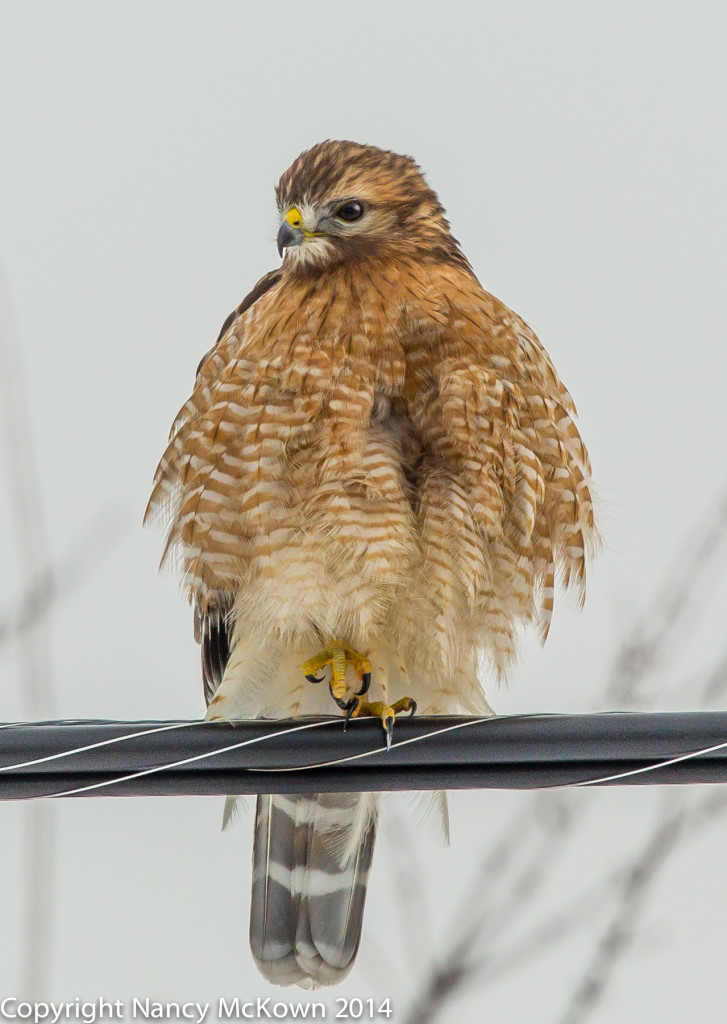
(580, 152)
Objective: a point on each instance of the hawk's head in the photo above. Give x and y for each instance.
(341, 201)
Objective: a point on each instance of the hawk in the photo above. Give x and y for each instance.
(374, 483)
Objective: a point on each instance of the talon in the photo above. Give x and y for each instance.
(406, 704)
(387, 715)
(345, 705)
(339, 655)
(350, 711)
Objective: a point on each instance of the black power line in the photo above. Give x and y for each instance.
(98, 758)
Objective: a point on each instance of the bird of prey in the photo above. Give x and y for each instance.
(374, 483)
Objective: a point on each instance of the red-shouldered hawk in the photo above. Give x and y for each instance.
(375, 481)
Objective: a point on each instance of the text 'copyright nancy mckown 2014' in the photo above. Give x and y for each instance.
(92, 1011)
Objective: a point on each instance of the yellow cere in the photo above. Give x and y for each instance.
(294, 217)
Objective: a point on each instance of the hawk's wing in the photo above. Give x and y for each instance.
(211, 628)
(264, 284)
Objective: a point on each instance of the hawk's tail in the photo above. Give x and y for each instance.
(311, 862)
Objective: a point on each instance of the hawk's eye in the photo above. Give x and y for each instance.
(350, 211)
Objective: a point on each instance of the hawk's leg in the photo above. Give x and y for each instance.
(338, 654)
(361, 706)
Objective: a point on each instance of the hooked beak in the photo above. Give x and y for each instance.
(288, 236)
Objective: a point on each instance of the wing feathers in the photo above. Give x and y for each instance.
(212, 632)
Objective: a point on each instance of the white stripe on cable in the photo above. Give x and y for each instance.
(93, 746)
(647, 768)
(379, 750)
(558, 785)
(186, 760)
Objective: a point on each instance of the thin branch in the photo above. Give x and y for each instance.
(31, 542)
(95, 541)
(461, 969)
(621, 931)
(479, 922)
(644, 648)
(648, 641)
(25, 503)
(410, 889)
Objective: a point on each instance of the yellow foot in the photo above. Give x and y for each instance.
(387, 714)
(338, 655)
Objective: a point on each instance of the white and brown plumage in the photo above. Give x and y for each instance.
(376, 452)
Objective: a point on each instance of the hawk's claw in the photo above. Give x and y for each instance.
(339, 655)
(350, 710)
(346, 705)
(387, 715)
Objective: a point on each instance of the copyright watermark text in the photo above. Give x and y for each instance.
(233, 1008)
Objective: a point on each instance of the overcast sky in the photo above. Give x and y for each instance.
(580, 152)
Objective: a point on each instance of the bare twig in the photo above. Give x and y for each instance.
(408, 884)
(620, 932)
(470, 959)
(462, 969)
(33, 555)
(95, 541)
(650, 638)
(486, 915)
(716, 681)
(672, 829)
(25, 502)
(28, 624)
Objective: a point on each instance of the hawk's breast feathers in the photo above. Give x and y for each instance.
(469, 500)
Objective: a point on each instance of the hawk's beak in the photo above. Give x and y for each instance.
(288, 236)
